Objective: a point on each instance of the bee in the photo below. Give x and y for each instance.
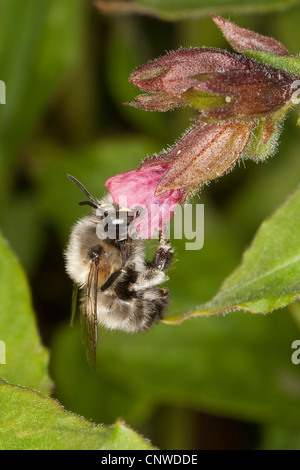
(118, 288)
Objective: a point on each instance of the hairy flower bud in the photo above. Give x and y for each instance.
(242, 39)
(204, 153)
(219, 84)
(178, 71)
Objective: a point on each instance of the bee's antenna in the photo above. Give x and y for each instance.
(95, 204)
(88, 203)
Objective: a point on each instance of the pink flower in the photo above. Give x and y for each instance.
(136, 190)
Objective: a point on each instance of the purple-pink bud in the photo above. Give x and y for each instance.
(243, 39)
(245, 86)
(204, 153)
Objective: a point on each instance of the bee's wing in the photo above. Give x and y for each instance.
(74, 307)
(89, 316)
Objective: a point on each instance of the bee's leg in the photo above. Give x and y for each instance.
(111, 280)
(124, 285)
(124, 274)
(129, 282)
(140, 302)
(163, 255)
(135, 300)
(154, 274)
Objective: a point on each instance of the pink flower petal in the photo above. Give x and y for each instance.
(135, 189)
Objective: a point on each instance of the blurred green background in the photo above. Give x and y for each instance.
(210, 383)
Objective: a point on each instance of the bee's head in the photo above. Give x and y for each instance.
(117, 218)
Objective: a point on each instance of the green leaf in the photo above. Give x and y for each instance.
(238, 365)
(170, 10)
(26, 358)
(30, 420)
(287, 63)
(268, 277)
(22, 211)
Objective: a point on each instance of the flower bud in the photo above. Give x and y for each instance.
(204, 153)
(242, 39)
(176, 73)
(219, 84)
